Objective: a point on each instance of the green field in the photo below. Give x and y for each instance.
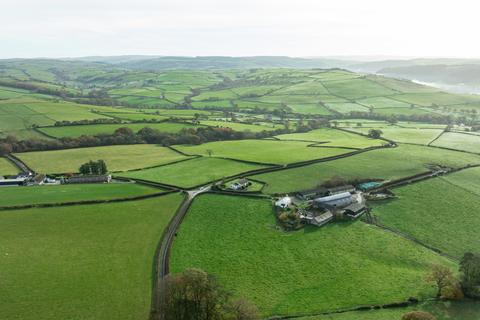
(81, 262)
(117, 158)
(459, 141)
(338, 266)
(406, 135)
(236, 126)
(7, 168)
(71, 193)
(96, 129)
(357, 88)
(264, 151)
(18, 116)
(442, 310)
(192, 172)
(332, 137)
(438, 212)
(391, 163)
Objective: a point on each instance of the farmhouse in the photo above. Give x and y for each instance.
(240, 184)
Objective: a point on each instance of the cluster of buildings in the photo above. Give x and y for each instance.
(20, 179)
(321, 205)
(30, 179)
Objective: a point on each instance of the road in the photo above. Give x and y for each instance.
(163, 252)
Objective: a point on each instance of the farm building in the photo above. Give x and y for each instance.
(318, 220)
(18, 180)
(240, 184)
(350, 204)
(89, 179)
(323, 192)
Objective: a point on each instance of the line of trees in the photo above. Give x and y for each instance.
(125, 135)
(196, 295)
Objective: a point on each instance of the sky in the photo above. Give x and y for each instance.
(74, 28)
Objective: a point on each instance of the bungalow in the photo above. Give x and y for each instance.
(240, 184)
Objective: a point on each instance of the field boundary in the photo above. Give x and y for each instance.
(150, 183)
(85, 202)
(159, 165)
(19, 163)
(367, 307)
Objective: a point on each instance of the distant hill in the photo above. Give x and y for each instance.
(458, 75)
(377, 66)
(158, 63)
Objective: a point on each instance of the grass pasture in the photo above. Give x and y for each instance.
(7, 168)
(81, 262)
(333, 137)
(406, 135)
(18, 196)
(357, 88)
(437, 212)
(314, 270)
(390, 163)
(117, 158)
(96, 129)
(459, 141)
(236, 126)
(263, 151)
(192, 172)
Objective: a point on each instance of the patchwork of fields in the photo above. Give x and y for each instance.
(441, 212)
(193, 172)
(385, 164)
(301, 272)
(66, 261)
(117, 158)
(88, 261)
(263, 151)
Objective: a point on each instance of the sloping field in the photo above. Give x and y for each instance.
(95, 129)
(71, 193)
(7, 168)
(264, 151)
(241, 126)
(436, 212)
(459, 141)
(357, 88)
(192, 172)
(340, 265)
(81, 262)
(406, 135)
(333, 137)
(391, 163)
(117, 158)
(468, 180)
